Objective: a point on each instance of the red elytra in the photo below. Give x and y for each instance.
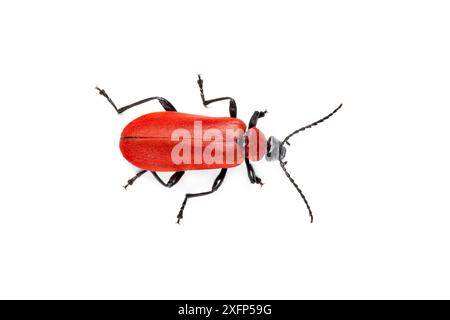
(149, 141)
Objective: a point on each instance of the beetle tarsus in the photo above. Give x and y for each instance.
(254, 119)
(200, 85)
(200, 81)
(179, 217)
(132, 180)
(129, 183)
(258, 180)
(103, 93)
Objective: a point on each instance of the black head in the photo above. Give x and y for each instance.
(275, 150)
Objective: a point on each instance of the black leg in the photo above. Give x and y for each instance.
(251, 173)
(173, 180)
(217, 183)
(254, 119)
(165, 103)
(233, 108)
(132, 180)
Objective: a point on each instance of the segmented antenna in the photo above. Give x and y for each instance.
(283, 163)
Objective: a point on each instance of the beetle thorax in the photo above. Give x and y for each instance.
(255, 144)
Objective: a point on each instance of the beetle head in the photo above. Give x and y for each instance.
(275, 150)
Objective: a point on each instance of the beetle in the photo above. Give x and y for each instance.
(177, 142)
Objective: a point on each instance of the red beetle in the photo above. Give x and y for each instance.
(175, 141)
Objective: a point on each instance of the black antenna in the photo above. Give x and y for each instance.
(283, 163)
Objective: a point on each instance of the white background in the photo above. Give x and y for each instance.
(376, 174)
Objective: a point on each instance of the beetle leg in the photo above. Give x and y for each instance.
(132, 180)
(173, 180)
(251, 173)
(254, 119)
(232, 107)
(217, 183)
(164, 102)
